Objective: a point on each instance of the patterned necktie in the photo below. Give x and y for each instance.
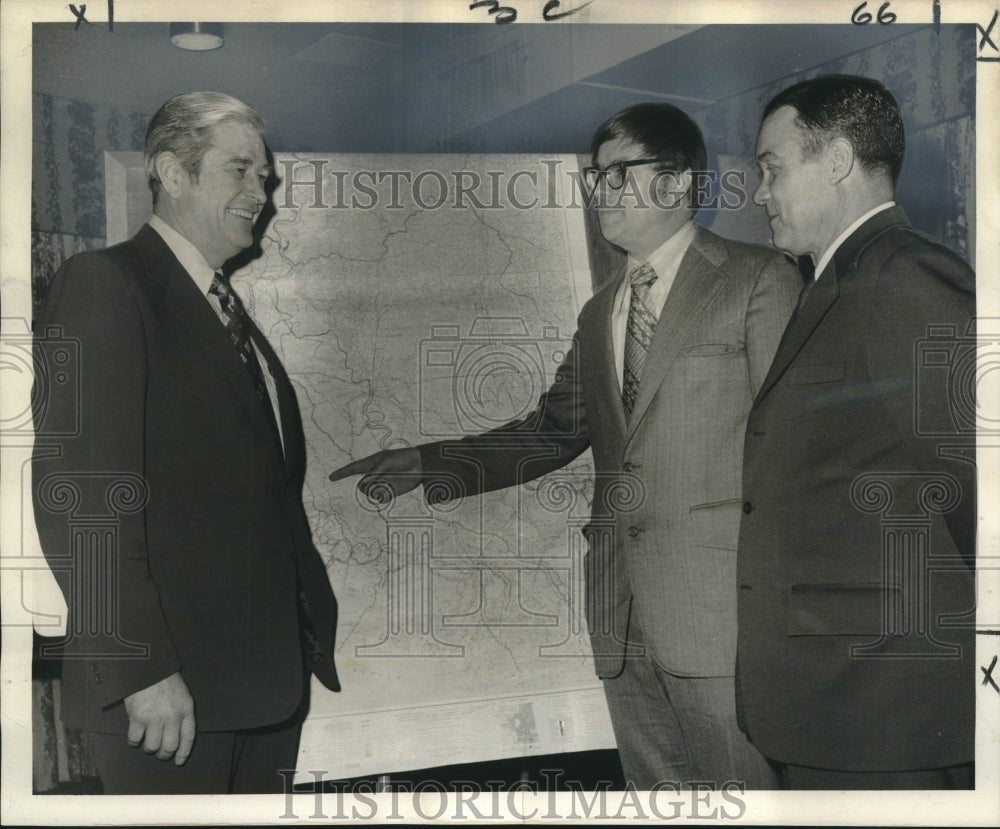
(638, 333)
(236, 327)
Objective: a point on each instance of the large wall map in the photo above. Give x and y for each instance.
(414, 298)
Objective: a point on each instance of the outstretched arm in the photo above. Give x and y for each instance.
(548, 438)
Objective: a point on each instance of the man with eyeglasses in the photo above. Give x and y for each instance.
(664, 367)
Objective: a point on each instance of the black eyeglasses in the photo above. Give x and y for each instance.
(614, 174)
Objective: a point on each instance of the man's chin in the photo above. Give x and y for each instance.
(780, 242)
(243, 241)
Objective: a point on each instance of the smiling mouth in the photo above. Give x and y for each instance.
(243, 214)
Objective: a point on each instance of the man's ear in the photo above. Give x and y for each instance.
(672, 188)
(840, 155)
(171, 173)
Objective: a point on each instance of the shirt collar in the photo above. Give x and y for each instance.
(187, 254)
(830, 251)
(666, 258)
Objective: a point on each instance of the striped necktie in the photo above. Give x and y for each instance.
(238, 330)
(638, 333)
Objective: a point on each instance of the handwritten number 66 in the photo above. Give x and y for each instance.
(859, 17)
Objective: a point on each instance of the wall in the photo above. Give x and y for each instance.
(933, 79)
(932, 74)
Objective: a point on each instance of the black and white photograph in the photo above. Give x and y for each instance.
(549, 411)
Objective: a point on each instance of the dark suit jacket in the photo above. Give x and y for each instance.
(856, 549)
(171, 518)
(665, 517)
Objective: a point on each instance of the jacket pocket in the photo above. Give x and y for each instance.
(711, 349)
(716, 525)
(841, 609)
(825, 373)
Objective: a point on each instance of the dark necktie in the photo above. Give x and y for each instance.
(238, 329)
(638, 333)
(808, 271)
(806, 267)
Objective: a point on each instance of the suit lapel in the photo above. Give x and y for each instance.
(600, 342)
(699, 278)
(825, 291)
(288, 408)
(193, 312)
(807, 316)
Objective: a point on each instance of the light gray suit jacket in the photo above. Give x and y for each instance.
(666, 510)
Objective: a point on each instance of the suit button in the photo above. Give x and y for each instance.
(99, 678)
(747, 507)
(634, 531)
(628, 466)
(93, 666)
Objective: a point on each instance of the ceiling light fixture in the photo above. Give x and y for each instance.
(197, 37)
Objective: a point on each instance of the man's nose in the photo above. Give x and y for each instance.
(256, 190)
(761, 194)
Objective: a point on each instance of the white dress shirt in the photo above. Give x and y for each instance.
(202, 274)
(824, 260)
(665, 260)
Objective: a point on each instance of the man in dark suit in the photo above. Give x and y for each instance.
(173, 517)
(857, 545)
(664, 365)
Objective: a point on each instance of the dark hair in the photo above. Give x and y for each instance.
(858, 109)
(662, 130)
(183, 126)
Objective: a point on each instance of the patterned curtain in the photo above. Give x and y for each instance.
(60, 755)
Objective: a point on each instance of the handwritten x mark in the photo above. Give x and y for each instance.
(988, 675)
(986, 36)
(80, 18)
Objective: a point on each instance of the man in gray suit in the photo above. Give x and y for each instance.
(664, 366)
